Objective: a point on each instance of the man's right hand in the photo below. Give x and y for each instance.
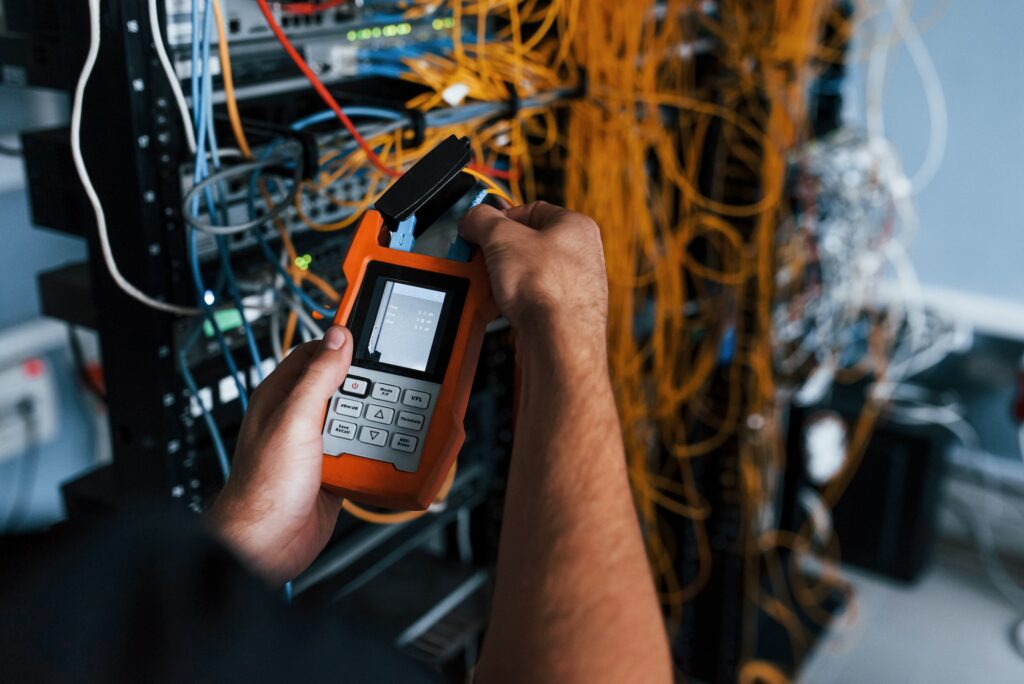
(547, 269)
(574, 598)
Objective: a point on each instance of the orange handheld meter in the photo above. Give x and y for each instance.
(394, 428)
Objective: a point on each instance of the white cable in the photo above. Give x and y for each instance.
(937, 106)
(172, 77)
(83, 173)
(912, 314)
(938, 111)
(878, 64)
(275, 335)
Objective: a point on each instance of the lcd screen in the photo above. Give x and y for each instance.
(406, 325)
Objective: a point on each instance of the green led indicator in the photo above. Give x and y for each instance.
(390, 31)
(352, 35)
(438, 24)
(303, 262)
(449, 22)
(364, 34)
(377, 32)
(404, 29)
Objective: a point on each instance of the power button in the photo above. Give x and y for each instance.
(355, 387)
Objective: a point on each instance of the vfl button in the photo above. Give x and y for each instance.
(356, 387)
(416, 399)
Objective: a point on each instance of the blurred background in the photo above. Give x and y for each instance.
(870, 478)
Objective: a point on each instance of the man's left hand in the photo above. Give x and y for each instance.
(272, 510)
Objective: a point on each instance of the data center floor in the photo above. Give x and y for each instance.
(951, 626)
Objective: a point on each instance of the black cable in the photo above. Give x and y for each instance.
(78, 358)
(22, 496)
(6, 151)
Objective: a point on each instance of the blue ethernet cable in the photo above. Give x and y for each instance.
(368, 112)
(211, 424)
(200, 111)
(202, 107)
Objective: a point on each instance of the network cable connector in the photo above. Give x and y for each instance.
(426, 192)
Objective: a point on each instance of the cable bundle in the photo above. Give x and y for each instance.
(691, 256)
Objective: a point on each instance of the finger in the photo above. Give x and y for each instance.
(538, 215)
(322, 376)
(484, 226)
(291, 366)
(276, 387)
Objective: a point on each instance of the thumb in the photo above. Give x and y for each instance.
(324, 373)
(489, 227)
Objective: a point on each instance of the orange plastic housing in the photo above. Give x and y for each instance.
(379, 483)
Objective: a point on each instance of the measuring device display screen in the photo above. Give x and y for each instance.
(406, 325)
(404, 320)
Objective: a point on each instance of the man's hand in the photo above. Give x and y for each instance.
(547, 270)
(574, 600)
(272, 510)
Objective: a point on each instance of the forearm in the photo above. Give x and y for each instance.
(574, 598)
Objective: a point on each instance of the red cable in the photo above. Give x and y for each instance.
(322, 91)
(494, 173)
(326, 96)
(309, 7)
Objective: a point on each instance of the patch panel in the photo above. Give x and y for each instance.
(333, 41)
(245, 22)
(323, 207)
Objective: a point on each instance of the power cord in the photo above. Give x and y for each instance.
(95, 38)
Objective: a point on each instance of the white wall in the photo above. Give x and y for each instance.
(972, 216)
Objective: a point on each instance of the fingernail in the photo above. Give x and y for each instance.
(334, 338)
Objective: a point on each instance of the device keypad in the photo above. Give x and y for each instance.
(380, 416)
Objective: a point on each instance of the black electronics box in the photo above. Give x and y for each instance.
(886, 519)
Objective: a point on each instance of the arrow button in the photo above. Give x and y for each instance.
(380, 414)
(373, 436)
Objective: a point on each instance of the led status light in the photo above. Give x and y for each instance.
(387, 31)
